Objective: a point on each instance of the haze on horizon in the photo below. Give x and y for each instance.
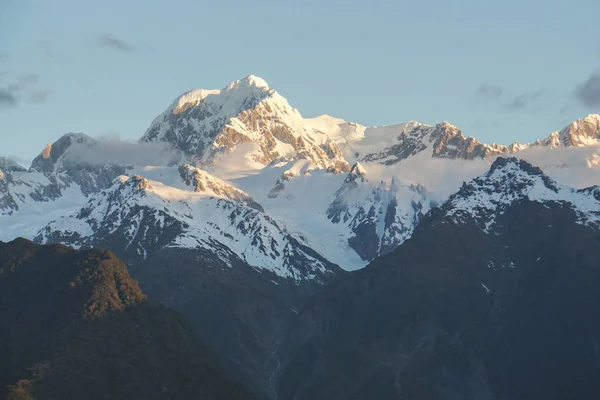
(501, 72)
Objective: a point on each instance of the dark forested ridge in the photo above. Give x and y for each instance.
(458, 313)
(74, 325)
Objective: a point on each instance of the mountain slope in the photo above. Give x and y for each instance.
(75, 325)
(246, 118)
(137, 218)
(460, 310)
(582, 132)
(6, 164)
(231, 269)
(379, 216)
(392, 144)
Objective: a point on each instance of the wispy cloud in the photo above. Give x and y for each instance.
(28, 79)
(4, 57)
(47, 47)
(40, 96)
(115, 43)
(488, 92)
(588, 92)
(480, 124)
(24, 88)
(7, 99)
(24, 82)
(112, 150)
(523, 101)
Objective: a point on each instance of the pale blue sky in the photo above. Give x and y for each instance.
(500, 71)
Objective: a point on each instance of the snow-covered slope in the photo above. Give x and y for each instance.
(146, 216)
(381, 216)
(392, 144)
(356, 140)
(253, 150)
(55, 155)
(6, 164)
(442, 141)
(246, 124)
(510, 180)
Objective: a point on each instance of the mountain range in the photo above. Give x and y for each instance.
(275, 235)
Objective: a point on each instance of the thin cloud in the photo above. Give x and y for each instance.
(588, 92)
(7, 99)
(479, 124)
(488, 92)
(24, 82)
(24, 162)
(29, 78)
(112, 150)
(523, 101)
(40, 96)
(115, 43)
(48, 48)
(4, 57)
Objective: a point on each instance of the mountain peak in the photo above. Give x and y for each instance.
(509, 181)
(50, 155)
(592, 118)
(506, 163)
(137, 183)
(8, 165)
(582, 132)
(252, 81)
(250, 86)
(357, 171)
(207, 126)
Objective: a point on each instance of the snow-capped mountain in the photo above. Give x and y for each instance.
(263, 207)
(64, 163)
(54, 156)
(139, 218)
(203, 182)
(6, 164)
(442, 140)
(286, 167)
(511, 180)
(247, 121)
(494, 286)
(583, 132)
(391, 144)
(381, 216)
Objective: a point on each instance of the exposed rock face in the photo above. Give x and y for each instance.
(381, 216)
(64, 169)
(579, 133)
(460, 311)
(446, 141)
(51, 155)
(442, 140)
(7, 201)
(247, 116)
